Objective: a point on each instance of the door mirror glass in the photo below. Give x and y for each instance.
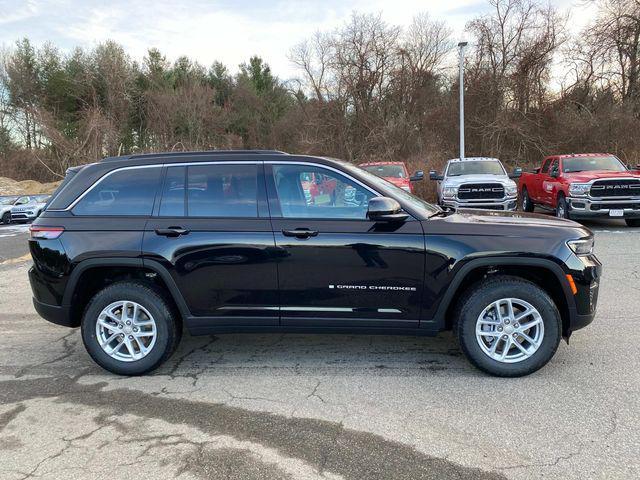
(554, 171)
(416, 177)
(517, 173)
(433, 175)
(384, 209)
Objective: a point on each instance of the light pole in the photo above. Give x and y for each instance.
(461, 46)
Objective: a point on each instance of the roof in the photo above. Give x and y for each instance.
(475, 159)
(192, 154)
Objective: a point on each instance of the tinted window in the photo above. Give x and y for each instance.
(222, 191)
(545, 166)
(314, 192)
(126, 192)
(172, 203)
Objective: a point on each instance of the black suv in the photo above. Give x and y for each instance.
(132, 248)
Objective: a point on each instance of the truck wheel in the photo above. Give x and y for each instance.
(508, 326)
(562, 209)
(632, 222)
(527, 204)
(6, 218)
(129, 328)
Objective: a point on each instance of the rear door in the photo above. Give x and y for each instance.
(211, 230)
(336, 268)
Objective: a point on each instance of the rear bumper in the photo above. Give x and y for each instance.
(508, 204)
(585, 207)
(53, 313)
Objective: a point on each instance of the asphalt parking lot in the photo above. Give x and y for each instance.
(322, 406)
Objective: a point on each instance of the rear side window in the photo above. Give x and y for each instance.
(127, 192)
(212, 191)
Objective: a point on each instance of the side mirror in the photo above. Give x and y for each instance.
(384, 209)
(433, 175)
(416, 177)
(554, 173)
(517, 173)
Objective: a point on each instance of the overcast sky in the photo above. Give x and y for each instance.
(226, 30)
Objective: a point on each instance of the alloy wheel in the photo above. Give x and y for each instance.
(510, 330)
(126, 331)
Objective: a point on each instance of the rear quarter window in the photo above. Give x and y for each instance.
(129, 192)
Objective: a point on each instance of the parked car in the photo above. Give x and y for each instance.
(394, 172)
(587, 185)
(476, 182)
(6, 202)
(246, 252)
(28, 208)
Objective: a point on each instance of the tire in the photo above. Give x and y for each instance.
(150, 301)
(476, 300)
(632, 222)
(6, 218)
(562, 209)
(526, 202)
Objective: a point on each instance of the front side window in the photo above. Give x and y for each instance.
(128, 192)
(315, 192)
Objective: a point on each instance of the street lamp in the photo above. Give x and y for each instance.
(461, 46)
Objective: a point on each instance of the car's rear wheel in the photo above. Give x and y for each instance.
(633, 222)
(6, 218)
(129, 328)
(526, 203)
(508, 327)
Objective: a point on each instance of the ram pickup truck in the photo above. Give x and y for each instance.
(476, 182)
(586, 185)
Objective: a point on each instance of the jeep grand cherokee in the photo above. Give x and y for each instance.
(132, 248)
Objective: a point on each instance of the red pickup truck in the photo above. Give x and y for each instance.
(586, 185)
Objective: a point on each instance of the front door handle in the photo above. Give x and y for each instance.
(172, 231)
(300, 233)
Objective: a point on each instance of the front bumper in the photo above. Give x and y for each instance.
(586, 207)
(587, 273)
(505, 204)
(23, 216)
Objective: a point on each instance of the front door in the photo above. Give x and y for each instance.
(336, 268)
(211, 231)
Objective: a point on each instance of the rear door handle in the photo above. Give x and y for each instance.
(172, 231)
(300, 233)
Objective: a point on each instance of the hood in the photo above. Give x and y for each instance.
(584, 177)
(457, 181)
(512, 224)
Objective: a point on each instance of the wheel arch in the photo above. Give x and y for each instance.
(545, 273)
(91, 275)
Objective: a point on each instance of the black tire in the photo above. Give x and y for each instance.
(167, 325)
(632, 222)
(6, 218)
(481, 295)
(526, 202)
(562, 208)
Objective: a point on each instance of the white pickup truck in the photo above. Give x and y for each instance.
(477, 182)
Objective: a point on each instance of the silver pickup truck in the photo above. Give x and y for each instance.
(477, 182)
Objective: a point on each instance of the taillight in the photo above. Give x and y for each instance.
(45, 233)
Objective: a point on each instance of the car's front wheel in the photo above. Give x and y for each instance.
(129, 328)
(6, 218)
(527, 203)
(508, 326)
(562, 209)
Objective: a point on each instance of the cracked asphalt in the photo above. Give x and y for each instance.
(322, 406)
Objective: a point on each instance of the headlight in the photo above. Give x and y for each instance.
(579, 188)
(449, 192)
(511, 189)
(584, 246)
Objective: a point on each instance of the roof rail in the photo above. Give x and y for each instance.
(198, 153)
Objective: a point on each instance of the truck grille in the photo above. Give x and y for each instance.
(480, 191)
(615, 188)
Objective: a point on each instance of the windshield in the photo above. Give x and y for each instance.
(470, 167)
(388, 171)
(7, 200)
(588, 164)
(398, 192)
